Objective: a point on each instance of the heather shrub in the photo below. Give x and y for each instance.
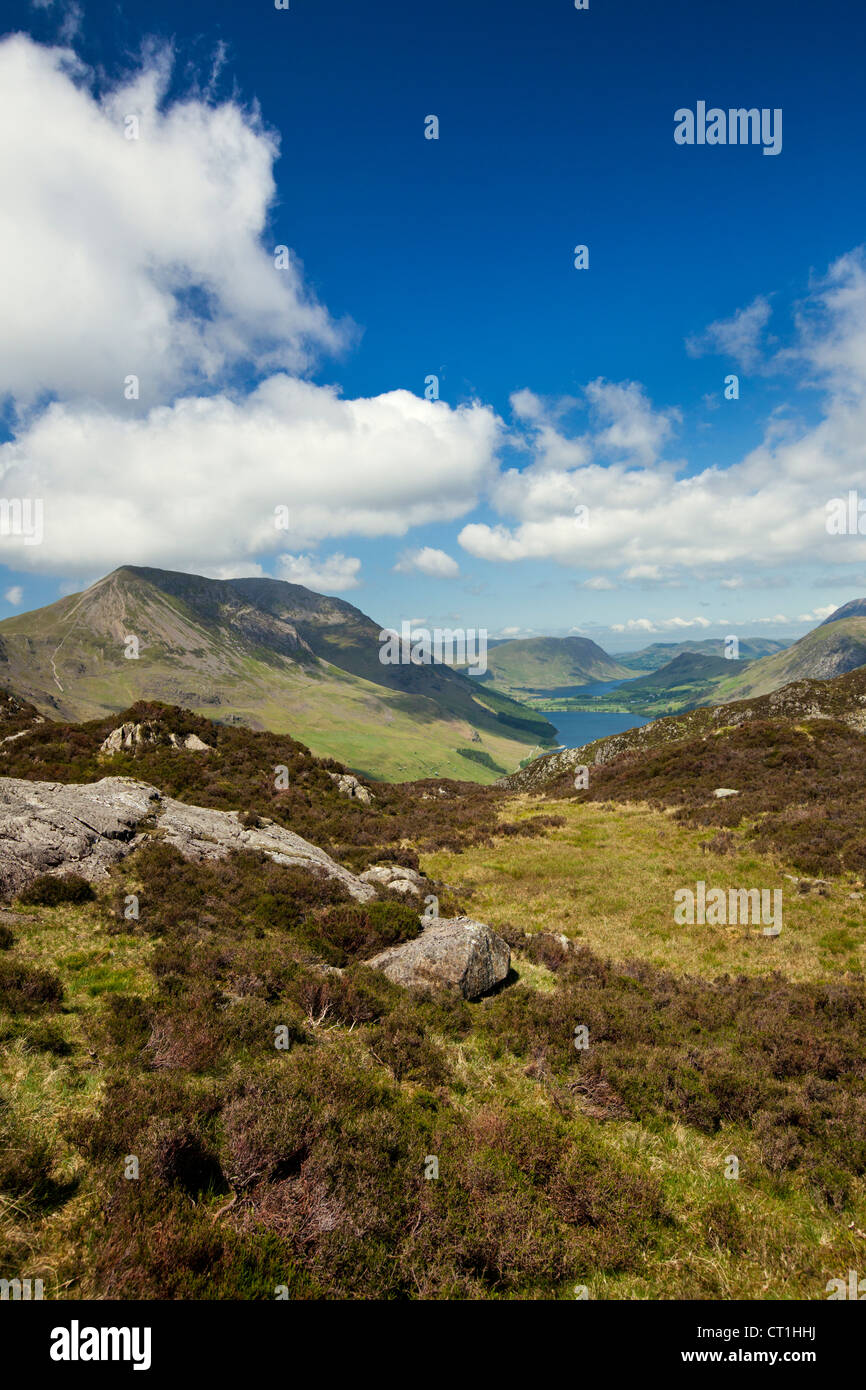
(27, 987)
(403, 1044)
(123, 1024)
(358, 930)
(27, 1164)
(48, 890)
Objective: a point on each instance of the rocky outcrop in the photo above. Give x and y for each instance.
(128, 737)
(54, 827)
(454, 952)
(348, 785)
(396, 879)
(192, 743)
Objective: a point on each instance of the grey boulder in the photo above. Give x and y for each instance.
(395, 878)
(454, 952)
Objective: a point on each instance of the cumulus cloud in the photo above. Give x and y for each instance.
(660, 624)
(435, 563)
(818, 614)
(771, 506)
(739, 337)
(334, 574)
(138, 256)
(215, 481)
(14, 595)
(627, 425)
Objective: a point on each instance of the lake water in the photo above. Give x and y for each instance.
(576, 727)
(579, 691)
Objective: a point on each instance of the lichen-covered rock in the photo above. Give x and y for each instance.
(348, 785)
(455, 952)
(127, 737)
(395, 878)
(55, 827)
(192, 743)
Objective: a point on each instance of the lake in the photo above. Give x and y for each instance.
(580, 691)
(577, 727)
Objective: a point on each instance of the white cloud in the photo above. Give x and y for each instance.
(631, 428)
(137, 256)
(738, 337)
(599, 582)
(240, 571)
(14, 595)
(635, 625)
(196, 484)
(646, 572)
(334, 574)
(770, 506)
(434, 563)
(818, 614)
(660, 624)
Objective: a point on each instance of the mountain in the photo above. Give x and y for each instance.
(855, 609)
(269, 655)
(529, 665)
(837, 645)
(661, 653)
(690, 679)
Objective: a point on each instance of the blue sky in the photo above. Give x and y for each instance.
(451, 257)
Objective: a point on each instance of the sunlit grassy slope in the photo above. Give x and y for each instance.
(607, 878)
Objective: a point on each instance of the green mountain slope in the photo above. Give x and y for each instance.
(688, 668)
(265, 654)
(837, 646)
(662, 653)
(550, 663)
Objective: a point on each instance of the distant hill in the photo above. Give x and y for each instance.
(837, 645)
(269, 655)
(530, 664)
(687, 668)
(661, 653)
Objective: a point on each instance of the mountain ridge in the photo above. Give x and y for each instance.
(268, 654)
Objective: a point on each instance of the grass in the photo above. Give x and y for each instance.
(607, 878)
